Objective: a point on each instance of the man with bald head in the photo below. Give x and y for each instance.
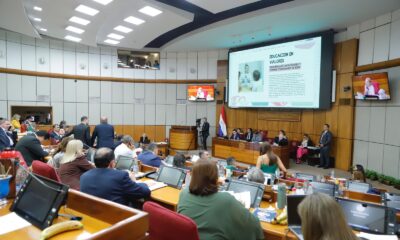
(104, 133)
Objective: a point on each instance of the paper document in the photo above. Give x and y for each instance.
(377, 237)
(243, 197)
(153, 185)
(12, 222)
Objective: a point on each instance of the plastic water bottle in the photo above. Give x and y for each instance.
(333, 174)
(281, 195)
(135, 166)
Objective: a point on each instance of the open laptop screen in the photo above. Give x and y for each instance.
(326, 188)
(293, 202)
(364, 216)
(256, 190)
(305, 176)
(171, 176)
(358, 186)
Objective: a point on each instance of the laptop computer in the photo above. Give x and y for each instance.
(171, 176)
(306, 176)
(326, 188)
(358, 186)
(256, 190)
(294, 221)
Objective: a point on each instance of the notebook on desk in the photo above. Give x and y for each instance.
(294, 221)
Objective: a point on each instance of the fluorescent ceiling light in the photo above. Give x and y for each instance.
(71, 38)
(43, 29)
(150, 11)
(86, 10)
(133, 20)
(36, 8)
(37, 19)
(115, 36)
(80, 21)
(123, 29)
(104, 2)
(110, 41)
(74, 29)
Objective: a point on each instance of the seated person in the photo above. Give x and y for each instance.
(302, 149)
(115, 185)
(257, 137)
(249, 135)
(150, 156)
(31, 148)
(235, 135)
(204, 155)
(73, 164)
(268, 162)
(281, 139)
(321, 217)
(144, 139)
(256, 175)
(126, 148)
(202, 202)
(56, 134)
(230, 163)
(179, 161)
(59, 153)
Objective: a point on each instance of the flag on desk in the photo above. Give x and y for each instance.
(222, 123)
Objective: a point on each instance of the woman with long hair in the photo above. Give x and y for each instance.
(73, 164)
(322, 218)
(59, 153)
(268, 161)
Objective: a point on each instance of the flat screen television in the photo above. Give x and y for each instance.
(373, 86)
(204, 93)
(291, 73)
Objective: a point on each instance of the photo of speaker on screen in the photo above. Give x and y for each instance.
(250, 77)
(371, 86)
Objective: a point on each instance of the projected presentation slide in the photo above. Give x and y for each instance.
(284, 75)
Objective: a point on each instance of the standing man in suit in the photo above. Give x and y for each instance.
(31, 148)
(82, 132)
(115, 185)
(104, 133)
(205, 132)
(6, 138)
(325, 142)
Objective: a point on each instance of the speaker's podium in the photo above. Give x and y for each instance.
(183, 138)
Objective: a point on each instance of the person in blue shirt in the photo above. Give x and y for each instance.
(150, 156)
(115, 185)
(235, 135)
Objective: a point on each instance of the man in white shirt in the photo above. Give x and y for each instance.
(126, 148)
(5, 138)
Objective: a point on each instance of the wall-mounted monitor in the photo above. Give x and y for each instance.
(201, 93)
(371, 86)
(136, 59)
(294, 73)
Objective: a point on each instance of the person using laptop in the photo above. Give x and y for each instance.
(322, 218)
(218, 215)
(115, 185)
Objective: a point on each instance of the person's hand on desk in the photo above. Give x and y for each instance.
(131, 175)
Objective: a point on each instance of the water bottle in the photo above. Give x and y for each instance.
(221, 170)
(333, 174)
(281, 195)
(135, 167)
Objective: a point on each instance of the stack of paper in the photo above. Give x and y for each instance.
(377, 237)
(153, 185)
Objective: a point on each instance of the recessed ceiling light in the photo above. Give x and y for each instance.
(115, 36)
(43, 29)
(104, 2)
(71, 38)
(86, 10)
(74, 29)
(150, 11)
(36, 8)
(133, 20)
(37, 19)
(110, 41)
(80, 21)
(123, 29)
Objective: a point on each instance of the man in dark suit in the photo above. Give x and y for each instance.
(6, 138)
(325, 147)
(82, 132)
(205, 132)
(144, 139)
(150, 156)
(31, 148)
(104, 133)
(115, 185)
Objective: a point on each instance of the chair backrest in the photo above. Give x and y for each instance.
(42, 169)
(124, 162)
(165, 224)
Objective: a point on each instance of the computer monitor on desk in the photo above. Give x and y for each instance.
(326, 188)
(358, 186)
(256, 190)
(171, 176)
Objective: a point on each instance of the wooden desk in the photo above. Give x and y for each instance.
(183, 137)
(246, 152)
(101, 219)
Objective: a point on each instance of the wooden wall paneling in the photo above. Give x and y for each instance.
(285, 126)
(344, 81)
(344, 151)
(331, 118)
(337, 57)
(150, 130)
(128, 130)
(295, 136)
(241, 115)
(138, 130)
(160, 133)
(222, 71)
(220, 89)
(345, 122)
(348, 60)
(307, 121)
(295, 127)
(319, 121)
(119, 129)
(251, 119)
